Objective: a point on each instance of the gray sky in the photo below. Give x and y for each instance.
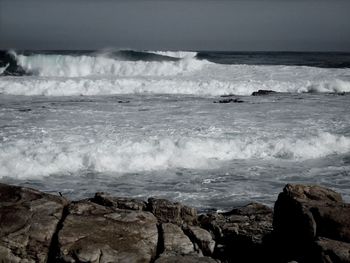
(252, 25)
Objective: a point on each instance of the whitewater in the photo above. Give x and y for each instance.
(151, 124)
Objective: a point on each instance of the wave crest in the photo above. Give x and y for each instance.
(28, 158)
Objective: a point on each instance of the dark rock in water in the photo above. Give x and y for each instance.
(170, 258)
(119, 202)
(262, 92)
(236, 100)
(332, 251)
(169, 212)
(9, 61)
(25, 110)
(175, 240)
(242, 235)
(28, 221)
(123, 101)
(304, 213)
(94, 233)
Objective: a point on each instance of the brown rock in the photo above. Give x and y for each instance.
(303, 213)
(28, 221)
(332, 251)
(94, 233)
(241, 235)
(119, 202)
(175, 240)
(203, 238)
(169, 212)
(170, 258)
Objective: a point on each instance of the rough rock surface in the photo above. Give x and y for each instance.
(119, 202)
(94, 233)
(169, 212)
(304, 213)
(175, 240)
(242, 235)
(333, 251)
(203, 238)
(28, 221)
(169, 258)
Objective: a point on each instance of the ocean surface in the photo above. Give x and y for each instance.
(150, 123)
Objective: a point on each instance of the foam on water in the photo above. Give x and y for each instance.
(64, 75)
(176, 54)
(28, 158)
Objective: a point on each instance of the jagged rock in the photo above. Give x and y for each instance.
(332, 251)
(173, 258)
(119, 202)
(203, 238)
(303, 213)
(94, 233)
(28, 221)
(175, 240)
(169, 212)
(243, 234)
(262, 92)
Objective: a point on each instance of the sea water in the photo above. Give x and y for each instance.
(144, 124)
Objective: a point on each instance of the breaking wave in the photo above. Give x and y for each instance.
(104, 74)
(25, 158)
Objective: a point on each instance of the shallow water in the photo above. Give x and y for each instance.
(183, 147)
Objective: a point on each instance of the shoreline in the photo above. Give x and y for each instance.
(307, 224)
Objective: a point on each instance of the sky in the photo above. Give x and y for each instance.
(227, 25)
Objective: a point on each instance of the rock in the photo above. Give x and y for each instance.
(175, 241)
(236, 100)
(303, 213)
(333, 251)
(203, 238)
(241, 235)
(170, 258)
(119, 202)
(169, 212)
(9, 61)
(94, 233)
(262, 92)
(28, 222)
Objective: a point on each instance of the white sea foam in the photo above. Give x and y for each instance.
(82, 66)
(26, 158)
(2, 69)
(176, 54)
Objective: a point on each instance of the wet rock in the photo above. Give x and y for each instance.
(28, 221)
(169, 212)
(231, 100)
(175, 240)
(119, 202)
(203, 238)
(94, 233)
(332, 251)
(263, 92)
(303, 213)
(171, 258)
(243, 234)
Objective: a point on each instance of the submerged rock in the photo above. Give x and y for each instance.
(262, 92)
(94, 233)
(28, 222)
(231, 100)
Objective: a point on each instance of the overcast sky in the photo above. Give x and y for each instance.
(236, 25)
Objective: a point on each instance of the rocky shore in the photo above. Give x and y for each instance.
(307, 224)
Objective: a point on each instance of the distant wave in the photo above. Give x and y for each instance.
(176, 54)
(111, 73)
(25, 158)
(90, 86)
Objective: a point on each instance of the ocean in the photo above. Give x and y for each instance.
(176, 125)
